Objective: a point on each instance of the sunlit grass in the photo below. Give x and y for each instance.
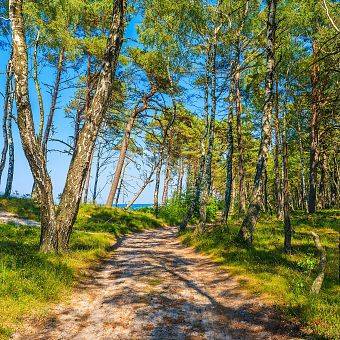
(30, 282)
(284, 280)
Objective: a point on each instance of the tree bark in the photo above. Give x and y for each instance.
(157, 183)
(180, 177)
(7, 115)
(211, 131)
(31, 146)
(38, 88)
(239, 137)
(314, 133)
(286, 212)
(277, 171)
(87, 106)
(251, 217)
(166, 180)
(230, 147)
(10, 171)
(57, 223)
(302, 169)
(96, 175)
(88, 180)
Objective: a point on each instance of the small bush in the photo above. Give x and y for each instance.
(175, 209)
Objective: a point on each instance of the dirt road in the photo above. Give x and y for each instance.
(154, 288)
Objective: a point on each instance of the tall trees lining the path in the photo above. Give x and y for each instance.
(56, 223)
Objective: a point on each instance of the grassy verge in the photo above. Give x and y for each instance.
(284, 280)
(30, 282)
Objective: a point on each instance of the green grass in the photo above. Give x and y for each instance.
(24, 208)
(30, 282)
(284, 280)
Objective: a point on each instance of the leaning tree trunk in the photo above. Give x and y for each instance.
(125, 143)
(314, 133)
(147, 181)
(57, 223)
(251, 217)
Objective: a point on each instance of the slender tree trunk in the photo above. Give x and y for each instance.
(286, 213)
(180, 177)
(10, 171)
(314, 133)
(302, 170)
(54, 98)
(96, 175)
(166, 181)
(157, 183)
(265, 189)
(324, 180)
(88, 180)
(239, 137)
(230, 147)
(32, 149)
(211, 131)
(198, 201)
(125, 143)
(139, 192)
(87, 106)
(120, 186)
(277, 171)
(57, 223)
(38, 88)
(251, 217)
(7, 115)
(43, 139)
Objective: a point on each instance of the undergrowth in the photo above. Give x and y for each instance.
(30, 282)
(282, 279)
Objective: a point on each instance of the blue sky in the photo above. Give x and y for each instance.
(57, 162)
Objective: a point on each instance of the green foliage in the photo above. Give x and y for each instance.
(283, 279)
(212, 209)
(114, 220)
(175, 209)
(25, 208)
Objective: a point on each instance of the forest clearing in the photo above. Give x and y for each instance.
(170, 170)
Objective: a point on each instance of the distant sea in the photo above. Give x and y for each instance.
(136, 206)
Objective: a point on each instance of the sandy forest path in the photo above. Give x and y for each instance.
(154, 288)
